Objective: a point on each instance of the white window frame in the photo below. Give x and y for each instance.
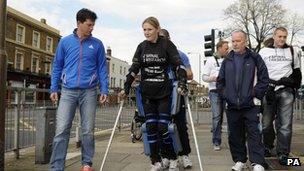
(51, 45)
(21, 62)
(36, 56)
(38, 41)
(23, 34)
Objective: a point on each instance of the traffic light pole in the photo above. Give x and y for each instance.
(199, 69)
(2, 81)
(199, 66)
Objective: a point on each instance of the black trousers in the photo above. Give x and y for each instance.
(181, 123)
(157, 120)
(243, 126)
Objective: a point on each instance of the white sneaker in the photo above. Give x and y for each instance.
(257, 167)
(165, 163)
(156, 167)
(186, 161)
(174, 165)
(238, 166)
(216, 147)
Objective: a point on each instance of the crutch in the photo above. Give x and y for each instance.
(112, 134)
(193, 131)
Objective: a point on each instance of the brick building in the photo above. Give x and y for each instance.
(118, 70)
(30, 47)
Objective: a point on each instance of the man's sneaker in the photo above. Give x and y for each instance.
(86, 168)
(156, 167)
(186, 161)
(216, 147)
(238, 166)
(283, 159)
(174, 165)
(257, 167)
(165, 163)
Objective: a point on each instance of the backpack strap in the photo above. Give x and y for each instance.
(292, 54)
(217, 63)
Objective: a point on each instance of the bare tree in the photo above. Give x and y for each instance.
(295, 25)
(256, 17)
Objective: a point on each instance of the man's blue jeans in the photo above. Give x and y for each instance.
(86, 99)
(280, 111)
(217, 108)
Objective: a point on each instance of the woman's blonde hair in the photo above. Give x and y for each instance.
(153, 21)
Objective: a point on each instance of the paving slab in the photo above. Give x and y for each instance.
(127, 156)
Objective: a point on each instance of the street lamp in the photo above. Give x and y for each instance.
(199, 64)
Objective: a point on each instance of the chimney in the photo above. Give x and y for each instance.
(109, 51)
(43, 20)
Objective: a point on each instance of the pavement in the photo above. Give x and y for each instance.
(127, 156)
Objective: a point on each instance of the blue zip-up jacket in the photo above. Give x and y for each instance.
(185, 61)
(239, 93)
(80, 64)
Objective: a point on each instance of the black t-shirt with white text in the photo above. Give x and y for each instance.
(153, 61)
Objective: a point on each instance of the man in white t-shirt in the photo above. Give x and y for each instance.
(285, 78)
(210, 74)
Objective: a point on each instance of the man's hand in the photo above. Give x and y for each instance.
(54, 97)
(182, 88)
(122, 94)
(102, 98)
(189, 74)
(286, 81)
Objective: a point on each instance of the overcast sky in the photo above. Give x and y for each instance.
(119, 21)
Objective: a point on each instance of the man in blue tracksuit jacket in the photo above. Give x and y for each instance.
(236, 83)
(80, 65)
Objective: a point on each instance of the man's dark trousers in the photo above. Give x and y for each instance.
(242, 125)
(181, 123)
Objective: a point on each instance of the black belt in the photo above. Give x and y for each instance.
(214, 90)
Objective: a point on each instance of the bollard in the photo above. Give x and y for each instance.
(45, 132)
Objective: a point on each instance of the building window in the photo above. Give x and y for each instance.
(19, 58)
(30, 96)
(120, 70)
(113, 66)
(36, 39)
(35, 63)
(124, 70)
(49, 44)
(14, 95)
(20, 33)
(120, 83)
(114, 82)
(47, 66)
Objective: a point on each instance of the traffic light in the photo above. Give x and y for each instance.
(210, 43)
